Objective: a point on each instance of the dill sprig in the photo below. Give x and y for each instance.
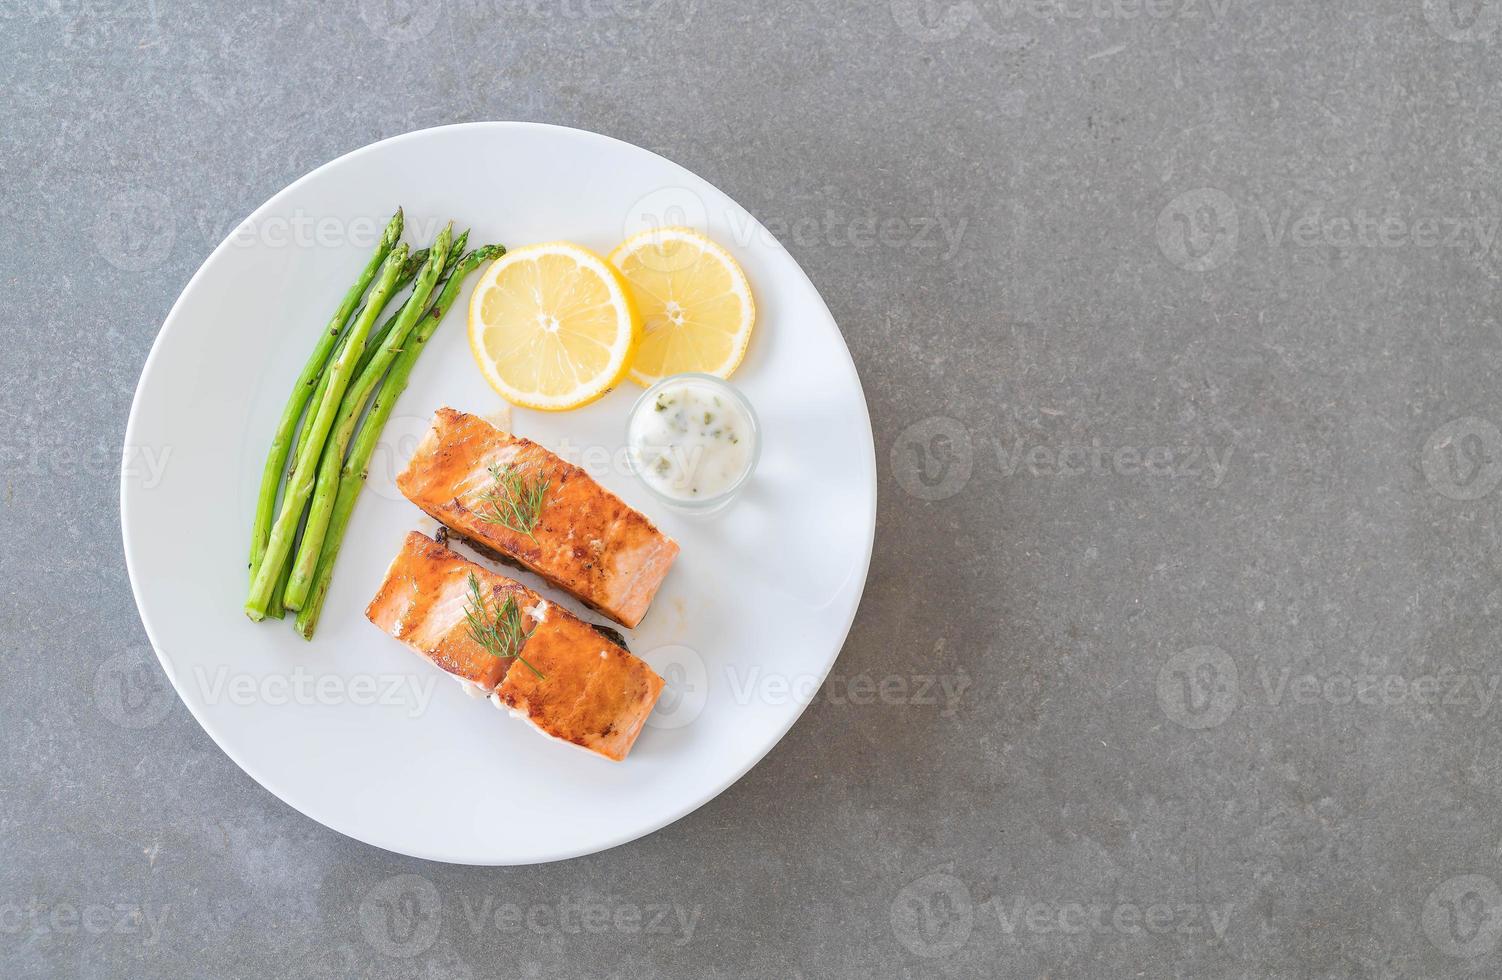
(499, 629)
(513, 501)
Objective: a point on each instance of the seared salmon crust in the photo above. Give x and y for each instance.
(592, 693)
(586, 540)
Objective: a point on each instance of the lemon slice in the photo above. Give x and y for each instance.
(552, 326)
(694, 300)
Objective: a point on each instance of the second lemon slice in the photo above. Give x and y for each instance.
(695, 303)
(552, 326)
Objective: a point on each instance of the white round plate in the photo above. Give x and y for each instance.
(355, 730)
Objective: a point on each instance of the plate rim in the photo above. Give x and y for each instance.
(256, 774)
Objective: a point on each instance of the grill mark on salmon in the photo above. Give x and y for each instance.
(588, 542)
(593, 694)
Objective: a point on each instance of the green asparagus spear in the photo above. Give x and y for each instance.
(315, 431)
(356, 467)
(275, 609)
(378, 336)
(353, 404)
(307, 381)
(415, 261)
(410, 268)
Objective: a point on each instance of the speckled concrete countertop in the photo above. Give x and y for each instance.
(1178, 324)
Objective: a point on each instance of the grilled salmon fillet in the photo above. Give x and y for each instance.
(422, 603)
(586, 541)
(592, 694)
(589, 688)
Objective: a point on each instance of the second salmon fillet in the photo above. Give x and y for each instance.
(585, 540)
(568, 680)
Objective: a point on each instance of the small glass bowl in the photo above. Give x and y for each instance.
(697, 505)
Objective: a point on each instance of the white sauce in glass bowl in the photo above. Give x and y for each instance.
(690, 440)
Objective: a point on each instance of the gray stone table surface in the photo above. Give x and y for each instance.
(1178, 323)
